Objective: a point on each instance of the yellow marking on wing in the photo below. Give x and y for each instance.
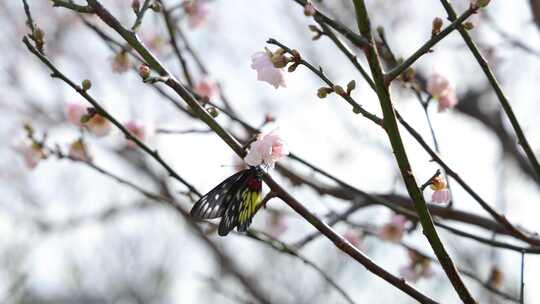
(250, 202)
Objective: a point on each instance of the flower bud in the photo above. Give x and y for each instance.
(309, 9)
(278, 59)
(156, 7)
(144, 71)
(213, 111)
(339, 90)
(436, 26)
(351, 86)
(317, 32)
(468, 25)
(481, 3)
(323, 92)
(86, 85)
(136, 6)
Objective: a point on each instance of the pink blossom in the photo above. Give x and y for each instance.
(393, 231)
(267, 149)
(206, 88)
(98, 125)
(266, 71)
(196, 11)
(309, 9)
(418, 267)
(121, 62)
(354, 237)
(440, 196)
(75, 112)
(448, 101)
(138, 130)
(442, 90)
(78, 150)
(31, 152)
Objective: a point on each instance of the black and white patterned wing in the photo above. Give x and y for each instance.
(245, 203)
(214, 203)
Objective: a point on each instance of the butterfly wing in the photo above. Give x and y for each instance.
(245, 203)
(214, 203)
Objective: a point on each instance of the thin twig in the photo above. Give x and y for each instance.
(503, 100)
(391, 128)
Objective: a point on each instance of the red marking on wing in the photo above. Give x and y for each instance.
(254, 183)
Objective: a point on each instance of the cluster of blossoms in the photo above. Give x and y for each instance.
(440, 195)
(418, 267)
(267, 149)
(442, 90)
(393, 231)
(87, 119)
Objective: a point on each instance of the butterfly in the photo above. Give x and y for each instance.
(235, 200)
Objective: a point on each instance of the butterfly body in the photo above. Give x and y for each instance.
(235, 200)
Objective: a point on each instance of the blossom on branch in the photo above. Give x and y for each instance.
(309, 9)
(206, 87)
(418, 267)
(440, 195)
(393, 231)
(442, 90)
(268, 66)
(78, 150)
(31, 151)
(74, 113)
(266, 150)
(121, 62)
(98, 125)
(137, 130)
(354, 237)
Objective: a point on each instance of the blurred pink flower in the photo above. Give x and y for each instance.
(267, 149)
(448, 101)
(393, 231)
(75, 112)
(442, 90)
(138, 130)
(31, 152)
(266, 71)
(354, 237)
(78, 150)
(418, 267)
(206, 88)
(196, 11)
(121, 62)
(98, 125)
